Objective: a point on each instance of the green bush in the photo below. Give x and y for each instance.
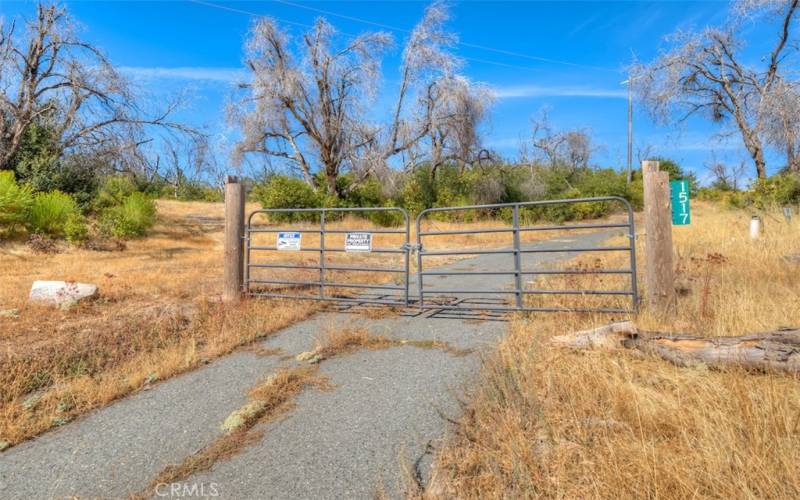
(776, 191)
(387, 218)
(15, 202)
(288, 192)
(36, 159)
(114, 191)
(132, 218)
(415, 195)
(76, 230)
(50, 212)
(197, 191)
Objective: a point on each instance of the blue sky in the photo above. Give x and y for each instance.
(567, 57)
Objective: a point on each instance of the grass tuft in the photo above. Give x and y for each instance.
(267, 400)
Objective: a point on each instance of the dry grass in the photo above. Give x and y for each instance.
(159, 314)
(267, 400)
(341, 341)
(551, 422)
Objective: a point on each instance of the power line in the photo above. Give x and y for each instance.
(463, 44)
(240, 11)
(380, 25)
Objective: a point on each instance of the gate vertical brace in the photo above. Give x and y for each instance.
(634, 278)
(322, 254)
(517, 257)
(246, 263)
(419, 261)
(407, 256)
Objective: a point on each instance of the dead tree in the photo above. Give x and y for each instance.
(570, 149)
(457, 108)
(309, 107)
(51, 77)
(704, 74)
(776, 350)
(781, 118)
(726, 176)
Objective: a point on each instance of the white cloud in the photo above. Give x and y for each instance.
(557, 91)
(228, 75)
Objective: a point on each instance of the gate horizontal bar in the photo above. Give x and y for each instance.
(528, 309)
(286, 282)
(524, 204)
(331, 299)
(354, 268)
(329, 268)
(529, 250)
(588, 249)
(328, 284)
(579, 271)
(509, 273)
(467, 252)
(430, 291)
(528, 228)
(338, 231)
(359, 285)
(317, 249)
(283, 266)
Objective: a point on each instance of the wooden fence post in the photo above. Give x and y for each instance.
(234, 231)
(659, 272)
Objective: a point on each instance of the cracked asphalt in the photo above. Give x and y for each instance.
(386, 414)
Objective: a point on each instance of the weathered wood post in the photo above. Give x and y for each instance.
(234, 231)
(659, 272)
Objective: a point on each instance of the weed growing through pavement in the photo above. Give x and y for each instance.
(267, 400)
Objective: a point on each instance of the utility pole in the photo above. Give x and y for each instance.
(629, 82)
(630, 129)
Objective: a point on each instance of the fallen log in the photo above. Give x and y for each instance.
(774, 350)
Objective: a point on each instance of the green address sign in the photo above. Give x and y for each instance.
(680, 202)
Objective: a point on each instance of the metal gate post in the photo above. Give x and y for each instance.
(634, 279)
(408, 251)
(517, 256)
(419, 259)
(322, 254)
(246, 269)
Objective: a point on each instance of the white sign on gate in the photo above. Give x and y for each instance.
(288, 241)
(358, 242)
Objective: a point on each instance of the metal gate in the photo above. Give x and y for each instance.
(292, 276)
(465, 296)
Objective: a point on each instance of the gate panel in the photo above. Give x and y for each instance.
(457, 297)
(280, 270)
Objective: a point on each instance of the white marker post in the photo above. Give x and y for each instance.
(755, 227)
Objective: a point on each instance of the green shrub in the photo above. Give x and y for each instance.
(414, 196)
(114, 191)
(776, 191)
(387, 218)
(187, 191)
(15, 202)
(132, 218)
(36, 159)
(197, 191)
(76, 230)
(50, 212)
(288, 192)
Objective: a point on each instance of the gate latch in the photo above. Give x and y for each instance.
(411, 247)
